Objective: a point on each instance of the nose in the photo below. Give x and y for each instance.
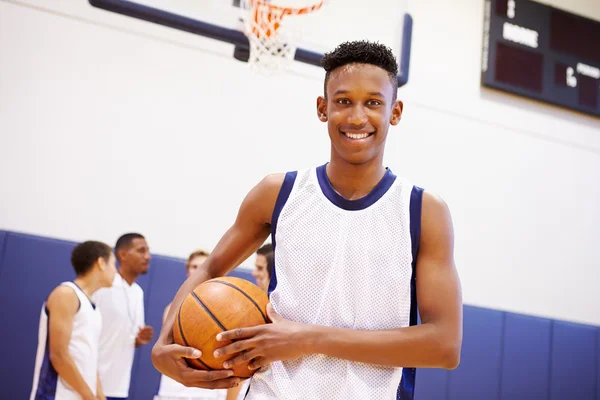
(358, 116)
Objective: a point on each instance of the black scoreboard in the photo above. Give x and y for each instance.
(542, 53)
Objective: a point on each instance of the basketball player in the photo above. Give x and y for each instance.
(260, 272)
(356, 248)
(66, 364)
(123, 305)
(170, 389)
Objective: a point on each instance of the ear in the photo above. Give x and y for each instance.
(396, 113)
(102, 264)
(322, 109)
(121, 255)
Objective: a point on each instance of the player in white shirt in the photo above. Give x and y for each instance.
(170, 389)
(66, 364)
(358, 251)
(123, 306)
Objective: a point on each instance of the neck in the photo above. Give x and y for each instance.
(128, 276)
(88, 284)
(353, 181)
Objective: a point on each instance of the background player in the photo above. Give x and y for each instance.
(351, 239)
(261, 266)
(66, 365)
(123, 305)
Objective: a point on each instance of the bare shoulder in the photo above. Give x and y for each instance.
(436, 221)
(260, 201)
(434, 205)
(271, 183)
(63, 297)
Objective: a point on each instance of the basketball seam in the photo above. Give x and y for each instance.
(186, 342)
(245, 294)
(209, 312)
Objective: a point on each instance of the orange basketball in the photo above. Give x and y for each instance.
(215, 306)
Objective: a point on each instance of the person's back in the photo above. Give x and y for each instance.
(66, 365)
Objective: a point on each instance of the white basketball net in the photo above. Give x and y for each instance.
(272, 45)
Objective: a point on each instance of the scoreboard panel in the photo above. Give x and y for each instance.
(543, 53)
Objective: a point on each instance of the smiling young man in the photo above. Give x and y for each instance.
(356, 248)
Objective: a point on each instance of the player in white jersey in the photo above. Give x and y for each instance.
(356, 248)
(123, 305)
(66, 364)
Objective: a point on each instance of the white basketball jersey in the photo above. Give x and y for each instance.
(342, 263)
(170, 389)
(83, 348)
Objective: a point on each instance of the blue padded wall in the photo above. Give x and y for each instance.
(505, 356)
(32, 267)
(478, 375)
(598, 364)
(2, 240)
(574, 360)
(431, 384)
(165, 276)
(526, 358)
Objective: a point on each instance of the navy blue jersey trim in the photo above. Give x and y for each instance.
(406, 390)
(359, 204)
(282, 198)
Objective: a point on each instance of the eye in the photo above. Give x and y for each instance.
(343, 101)
(374, 103)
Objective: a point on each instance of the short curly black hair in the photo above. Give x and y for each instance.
(361, 52)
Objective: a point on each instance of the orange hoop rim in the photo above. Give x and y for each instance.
(286, 10)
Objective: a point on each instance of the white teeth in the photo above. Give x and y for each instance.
(356, 135)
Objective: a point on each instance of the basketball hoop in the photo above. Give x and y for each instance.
(272, 44)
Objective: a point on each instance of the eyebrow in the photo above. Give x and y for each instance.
(338, 92)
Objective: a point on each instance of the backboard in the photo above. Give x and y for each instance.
(385, 21)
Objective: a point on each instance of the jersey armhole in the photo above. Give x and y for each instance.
(282, 198)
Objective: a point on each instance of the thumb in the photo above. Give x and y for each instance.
(273, 316)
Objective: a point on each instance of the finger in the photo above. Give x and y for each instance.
(237, 334)
(234, 348)
(242, 358)
(195, 376)
(182, 351)
(257, 363)
(218, 384)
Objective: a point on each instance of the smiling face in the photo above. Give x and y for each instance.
(359, 108)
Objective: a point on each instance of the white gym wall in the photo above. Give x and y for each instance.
(109, 124)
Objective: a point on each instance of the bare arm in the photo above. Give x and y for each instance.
(166, 312)
(249, 231)
(99, 392)
(436, 343)
(232, 393)
(62, 306)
